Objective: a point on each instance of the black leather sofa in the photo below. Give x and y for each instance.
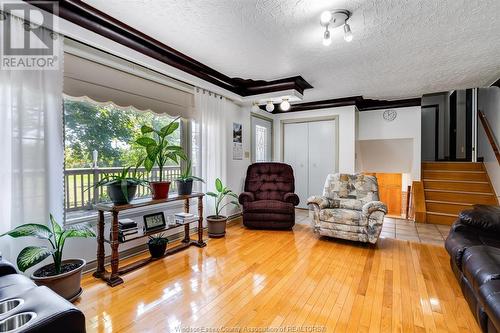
(474, 247)
(47, 312)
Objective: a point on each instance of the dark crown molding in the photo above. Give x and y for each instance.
(361, 103)
(103, 24)
(497, 83)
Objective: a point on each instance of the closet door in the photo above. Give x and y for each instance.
(322, 154)
(295, 153)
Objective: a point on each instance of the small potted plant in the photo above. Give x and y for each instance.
(217, 223)
(62, 276)
(185, 181)
(159, 150)
(122, 187)
(157, 245)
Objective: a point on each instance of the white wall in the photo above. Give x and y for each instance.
(347, 133)
(489, 103)
(395, 134)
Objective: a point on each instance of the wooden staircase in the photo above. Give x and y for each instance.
(451, 187)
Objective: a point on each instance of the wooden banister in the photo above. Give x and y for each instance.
(489, 134)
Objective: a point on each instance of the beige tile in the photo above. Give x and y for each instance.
(408, 238)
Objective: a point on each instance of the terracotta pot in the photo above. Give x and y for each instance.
(160, 190)
(67, 285)
(115, 193)
(185, 187)
(216, 226)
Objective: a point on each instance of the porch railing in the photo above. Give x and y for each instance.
(81, 193)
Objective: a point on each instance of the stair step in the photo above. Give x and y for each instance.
(455, 175)
(440, 218)
(457, 185)
(446, 207)
(457, 166)
(461, 196)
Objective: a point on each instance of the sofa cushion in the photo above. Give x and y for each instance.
(489, 297)
(269, 206)
(269, 181)
(16, 279)
(485, 218)
(481, 264)
(343, 216)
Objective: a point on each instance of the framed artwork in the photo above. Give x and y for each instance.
(154, 221)
(237, 141)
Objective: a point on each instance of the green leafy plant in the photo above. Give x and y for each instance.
(159, 149)
(158, 239)
(187, 175)
(55, 235)
(125, 179)
(221, 193)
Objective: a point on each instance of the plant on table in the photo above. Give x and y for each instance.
(157, 245)
(56, 236)
(160, 150)
(217, 222)
(185, 180)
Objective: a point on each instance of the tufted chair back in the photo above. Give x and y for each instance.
(356, 186)
(269, 181)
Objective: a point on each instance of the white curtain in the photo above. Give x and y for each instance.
(211, 111)
(31, 146)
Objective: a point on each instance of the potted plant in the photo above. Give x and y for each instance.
(217, 223)
(157, 245)
(62, 276)
(185, 181)
(159, 150)
(122, 187)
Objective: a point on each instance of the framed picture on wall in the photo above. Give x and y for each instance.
(237, 141)
(154, 221)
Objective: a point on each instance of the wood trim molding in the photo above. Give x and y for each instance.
(496, 83)
(361, 103)
(418, 202)
(103, 24)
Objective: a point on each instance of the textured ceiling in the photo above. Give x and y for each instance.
(401, 48)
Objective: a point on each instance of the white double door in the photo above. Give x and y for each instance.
(311, 149)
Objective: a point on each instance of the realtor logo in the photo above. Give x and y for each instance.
(28, 41)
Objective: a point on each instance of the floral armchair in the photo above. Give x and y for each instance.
(349, 208)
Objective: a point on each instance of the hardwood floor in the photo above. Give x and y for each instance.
(259, 279)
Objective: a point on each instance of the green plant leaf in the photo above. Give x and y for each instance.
(170, 128)
(152, 151)
(145, 141)
(218, 185)
(30, 230)
(148, 164)
(55, 226)
(146, 129)
(30, 256)
(212, 194)
(79, 231)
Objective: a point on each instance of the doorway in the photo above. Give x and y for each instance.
(262, 139)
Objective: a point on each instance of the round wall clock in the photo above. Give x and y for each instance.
(390, 115)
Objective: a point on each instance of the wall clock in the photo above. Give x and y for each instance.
(390, 115)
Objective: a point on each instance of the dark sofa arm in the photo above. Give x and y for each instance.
(482, 217)
(291, 198)
(6, 268)
(246, 197)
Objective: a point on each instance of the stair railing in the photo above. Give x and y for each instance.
(489, 134)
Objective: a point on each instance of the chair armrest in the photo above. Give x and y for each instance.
(374, 206)
(291, 198)
(6, 268)
(246, 197)
(318, 202)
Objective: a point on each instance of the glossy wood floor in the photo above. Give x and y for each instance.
(258, 279)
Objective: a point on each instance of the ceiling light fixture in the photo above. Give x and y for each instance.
(269, 106)
(334, 19)
(255, 107)
(285, 105)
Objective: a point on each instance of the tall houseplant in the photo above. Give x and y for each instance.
(217, 223)
(62, 276)
(185, 180)
(160, 150)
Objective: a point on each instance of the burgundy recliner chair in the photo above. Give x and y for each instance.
(268, 201)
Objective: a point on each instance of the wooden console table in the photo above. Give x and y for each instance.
(113, 278)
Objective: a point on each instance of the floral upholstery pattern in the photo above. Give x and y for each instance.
(349, 208)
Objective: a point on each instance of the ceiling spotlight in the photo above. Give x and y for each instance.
(269, 106)
(327, 40)
(255, 107)
(326, 17)
(285, 105)
(347, 33)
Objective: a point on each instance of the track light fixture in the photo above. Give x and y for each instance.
(255, 107)
(334, 19)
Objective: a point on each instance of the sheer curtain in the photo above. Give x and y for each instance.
(31, 146)
(211, 112)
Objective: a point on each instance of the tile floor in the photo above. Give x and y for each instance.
(401, 229)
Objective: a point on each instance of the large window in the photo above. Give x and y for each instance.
(99, 140)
